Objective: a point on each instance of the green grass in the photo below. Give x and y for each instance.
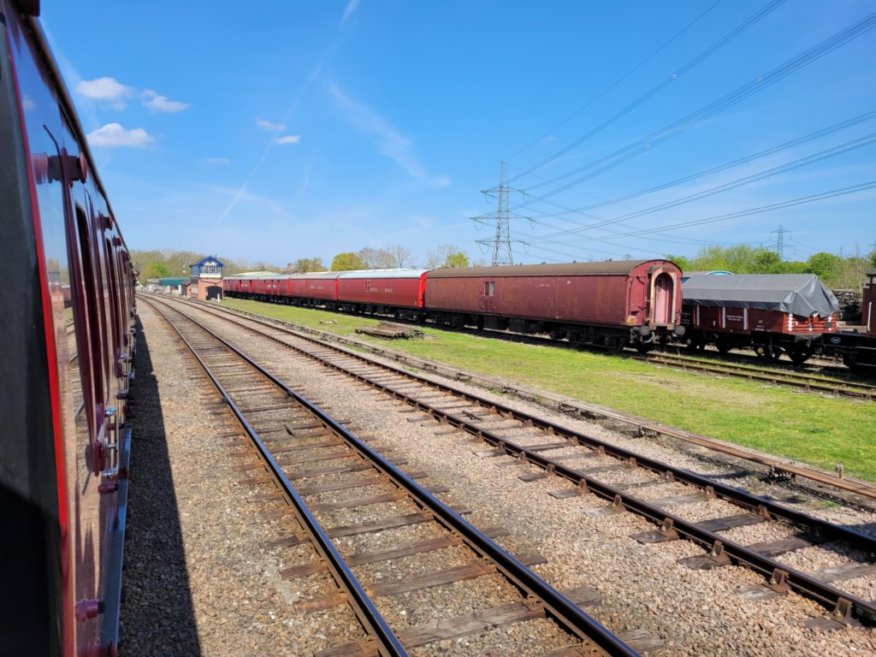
(802, 426)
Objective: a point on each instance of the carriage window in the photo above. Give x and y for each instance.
(90, 275)
(109, 255)
(489, 288)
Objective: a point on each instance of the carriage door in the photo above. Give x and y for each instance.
(868, 303)
(870, 310)
(662, 298)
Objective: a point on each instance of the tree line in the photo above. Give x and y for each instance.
(168, 263)
(837, 272)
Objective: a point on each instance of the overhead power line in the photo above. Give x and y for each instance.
(773, 150)
(709, 110)
(617, 82)
(676, 75)
(851, 145)
(803, 200)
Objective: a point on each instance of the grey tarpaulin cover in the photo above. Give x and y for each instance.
(800, 294)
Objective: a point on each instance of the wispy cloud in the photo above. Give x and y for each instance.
(270, 126)
(267, 206)
(217, 160)
(288, 139)
(314, 74)
(349, 10)
(389, 141)
(114, 135)
(305, 184)
(155, 102)
(105, 89)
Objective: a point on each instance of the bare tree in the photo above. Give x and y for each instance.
(401, 254)
(378, 258)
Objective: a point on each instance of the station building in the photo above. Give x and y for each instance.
(205, 281)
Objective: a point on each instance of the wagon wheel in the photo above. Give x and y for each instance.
(696, 343)
(724, 347)
(799, 354)
(614, 344)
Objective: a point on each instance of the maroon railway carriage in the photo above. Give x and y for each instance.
(259, 286)
(382, 291)
(241, 285)
(231, 285)
(608, 304)
(315, 289)
(858, 348)
(397, 292)
(770, 313)
(66, 340)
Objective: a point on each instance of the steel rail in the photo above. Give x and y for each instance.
(789, 378)
(564, 405)
(728, 492)
(556, 605)
(364, 608)
(843, 604)
(631, 353)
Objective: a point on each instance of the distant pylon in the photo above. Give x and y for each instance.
(501, 243)
(780, 240)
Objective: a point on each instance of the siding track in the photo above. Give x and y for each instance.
(776, 375)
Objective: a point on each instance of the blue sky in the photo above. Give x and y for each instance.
(283, 130)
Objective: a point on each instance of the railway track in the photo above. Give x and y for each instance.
(774, 375)
(682, 504)
(819, 379)
(775, 468)
(326, 472)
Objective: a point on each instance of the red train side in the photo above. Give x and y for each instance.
(380, 290)
(609, 304)
(314, 289)
(66, 342)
